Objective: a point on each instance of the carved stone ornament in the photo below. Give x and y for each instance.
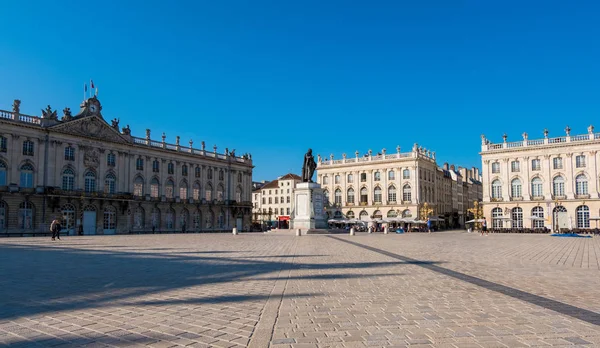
(67, 114)
(91, 127)
(16, 107)
(48, 113)
(91, 158)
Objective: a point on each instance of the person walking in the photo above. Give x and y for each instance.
(429, 225)
(484, 228)
(55, 229)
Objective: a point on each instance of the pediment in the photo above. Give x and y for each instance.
(90, 127)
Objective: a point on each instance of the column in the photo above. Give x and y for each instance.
(593, 181)
(570, 180)
(526, 180)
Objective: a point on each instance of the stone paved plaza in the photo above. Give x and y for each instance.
(448, 289)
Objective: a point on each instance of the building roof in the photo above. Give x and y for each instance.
(290, 176)
(271, 184)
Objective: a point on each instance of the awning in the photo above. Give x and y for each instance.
(283, 218)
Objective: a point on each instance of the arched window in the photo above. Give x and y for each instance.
(208, 192)
(238, 194)
(558, 186)
(406, 174)
(496, 189)
(221, 220)
(183, 189)
(583, 216)
(184, 217)
(406, 193)
(220, 192)
(392, 213)
(169, 189)
(197, 219)
(196, 191)
(377, 214)
(197, 172)
(68, 216)
(26, 176)
(406, 213)
(537, 187)
(110, 183)
(210, 220)
(325, 180)
(68, 179)
(581, 185)
(515, 188)
(392, 194)
(537, 212)
(517, 217)
(2, 173)
(26, 215)
(3, 215)
(377, 176)
(155, 218)
(138, 186)
(90, 181)
(110, 219)
(338, 196)
(350, 178)
(170, 219)
(350, 214)
(138, 218)
(497, 218)
(364, 216)
(364, 195)
(350, 195)
(377, 195)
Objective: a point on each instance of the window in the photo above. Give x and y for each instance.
(392, 214)
(184, 170)
(110, 183)
(377, 195)
(496, 167)
(377, 176)
(515, 188)
(537, 212)
(197, 172)
(288, 211)
(139, 164)
(350, 178)
(220, 191)
(325, 180)
(170, 218)
(69, 153)
(583, 216)
(536, 187)
(3, 144)
(138, 186)
(496, 189)
(580, 161)
(2, 173)
(363, 177)
(155, 217)
(196, 191)
(536, 165)
(497, 218)
(517, 217)
(406, 174)
(240, 178)
(26, 215)
(288, 199)
(90, 181)
(350, 215)
(221, 175)
(350, 196)
(197, 217)
(208, 192)
(138, 218)
(68, 180)
(276, 200)
(325, 195)
(515, 166)
(338, 196)
(28, 148)
(391, 194)
(155, 166)
(110, 218)
(581, 185)
(26, 176)
(209, 174)
(557, 163)
(270, 200)
(391, 175)
(170, 168)
(154, 188)
(238, 195)
(406, 193)
(111, 160)
(264, 200)
(558, 186)
(3, 215)
(364, 195)
(183, 190)
(169, 189)
(337, 179)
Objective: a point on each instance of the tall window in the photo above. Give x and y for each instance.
(68, 180)
(363, 177)
(496, 167)
(496, 218)
(155, 217)
(26, 176)
(209, 174)
(184, 170)
(350, 178)
(288, 199)
(537, 212)
(208, 192)
(138, 186)
(515, 188)
(406, 174)
(197, 172)
(90, 181)
(3, 144)
(154, 188)
(238, 195)
(337, 179)
(183, 190)
(580, 161)
(536, 187)
(583, 216)
(515, 166)
(26, 215)
(170, 218)
(517, 217)
(536, 165)
(111, 160)
(155, 166)
(406, 193)
(220, 192)
(364, 195)
(377, 176)
(391, 175)
(239, 176)
(350, 196)
(138, 217)
(338, 196)
(28, 148)
(221, 175)
(557, 163)
(170, 168)
(496, 189)
(2, 173)
(558, 186)
(69, 153)
(110, 218)
(581, 185)
(391, 194)
(325, 180)
(139, 163)
(169, 189)
(277, 198)
(196, 191)
(377, 195)
(110, 183)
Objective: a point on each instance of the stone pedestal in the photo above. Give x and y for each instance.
(308, 207)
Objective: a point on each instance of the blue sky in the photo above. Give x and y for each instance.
(274, 78)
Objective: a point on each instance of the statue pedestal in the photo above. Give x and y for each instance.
(308, 207)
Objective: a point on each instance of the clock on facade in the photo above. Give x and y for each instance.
(93, 108)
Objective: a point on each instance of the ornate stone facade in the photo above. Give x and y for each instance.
(548, 182)
(93, 175)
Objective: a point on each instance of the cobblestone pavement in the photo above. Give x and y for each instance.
(449, 289)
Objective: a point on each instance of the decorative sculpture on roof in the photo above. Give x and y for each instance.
(16, 106)
(232, 153)
(591, 129)
(308, 167)
(67, 114)
(48, 113)
(568, 131)
(126, 130)
(115, 123)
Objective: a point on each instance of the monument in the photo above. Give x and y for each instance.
(309, 213)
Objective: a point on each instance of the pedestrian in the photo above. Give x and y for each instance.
(428, 225)
(484, 228)
(153, 228)
(183, 227)
(80, 229)
(55, 229)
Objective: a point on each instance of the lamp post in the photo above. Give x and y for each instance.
(477, 212)
(555, 215)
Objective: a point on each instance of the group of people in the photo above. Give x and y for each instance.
(55, 228)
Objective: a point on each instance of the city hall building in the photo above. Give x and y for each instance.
(550, 182)
(100, 179)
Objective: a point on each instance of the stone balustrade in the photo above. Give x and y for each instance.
(486, 145)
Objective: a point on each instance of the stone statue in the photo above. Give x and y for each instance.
(232, 153)
(309, 166)
(115, 123)
(126, 130)
(67, 114)
(17, 106)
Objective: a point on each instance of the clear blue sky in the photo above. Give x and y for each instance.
(275, 78)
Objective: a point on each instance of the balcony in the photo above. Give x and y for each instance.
(559, 197)
(520, 198)
(586, 196)
(407, 202)
(536, 198)
(496, 199)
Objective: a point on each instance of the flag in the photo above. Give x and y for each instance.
(92, 84)
(85, 87)
(96, 91)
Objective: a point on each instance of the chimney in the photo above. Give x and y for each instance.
(452, 167)
(446, 166)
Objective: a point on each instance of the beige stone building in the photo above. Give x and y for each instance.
(99, 176)
(274, 201)
(388, 185)
(548, 182)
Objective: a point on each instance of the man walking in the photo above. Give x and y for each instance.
(55, 229)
